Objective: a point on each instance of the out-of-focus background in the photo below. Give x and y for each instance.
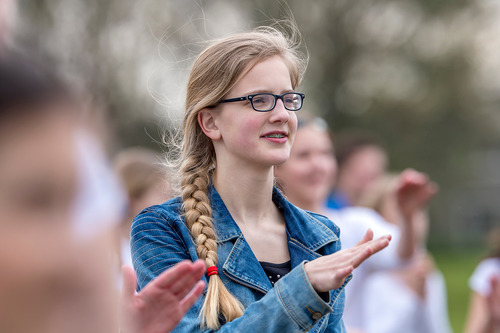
(423, 75)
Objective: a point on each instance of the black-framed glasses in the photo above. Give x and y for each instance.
(264, 102)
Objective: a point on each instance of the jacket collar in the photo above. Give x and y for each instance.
(301, 225)
(305, 235)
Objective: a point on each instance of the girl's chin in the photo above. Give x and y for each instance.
(279, 159)
(279, 162)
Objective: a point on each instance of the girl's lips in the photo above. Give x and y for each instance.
(276, 137)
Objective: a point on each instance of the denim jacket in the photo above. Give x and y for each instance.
(160, 239)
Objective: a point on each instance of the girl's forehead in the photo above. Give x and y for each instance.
(268, 75)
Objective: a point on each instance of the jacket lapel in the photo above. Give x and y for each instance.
(243, 267)
(304, 232)
(238, 260)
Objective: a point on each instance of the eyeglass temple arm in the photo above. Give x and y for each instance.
(236, 99)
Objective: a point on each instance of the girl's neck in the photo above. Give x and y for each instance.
(246, 193)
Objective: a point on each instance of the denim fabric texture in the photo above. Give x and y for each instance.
(160, 239)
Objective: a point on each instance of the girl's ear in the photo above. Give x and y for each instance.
(206, 120)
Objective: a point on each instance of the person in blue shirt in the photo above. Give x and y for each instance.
(272, 267)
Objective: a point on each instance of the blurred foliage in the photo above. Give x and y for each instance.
(457, 265)
(423, 75)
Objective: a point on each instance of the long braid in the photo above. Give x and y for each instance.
(198, 216)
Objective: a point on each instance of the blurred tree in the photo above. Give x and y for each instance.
(421, 74)
(404, 70)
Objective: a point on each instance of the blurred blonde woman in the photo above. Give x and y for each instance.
(272, 267)
(146, 182)
(411, 298)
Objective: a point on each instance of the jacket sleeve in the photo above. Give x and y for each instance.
(291, 306)
(156, 245)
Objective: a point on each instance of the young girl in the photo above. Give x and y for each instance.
(272, 267)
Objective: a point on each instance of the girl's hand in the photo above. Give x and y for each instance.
(329, 272)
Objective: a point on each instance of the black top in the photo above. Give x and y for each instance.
(276, 271)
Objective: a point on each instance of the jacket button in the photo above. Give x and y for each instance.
(316, 315)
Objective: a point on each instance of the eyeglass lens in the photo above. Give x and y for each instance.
(266, 102)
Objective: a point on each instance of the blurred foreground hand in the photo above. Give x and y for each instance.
(159, 306)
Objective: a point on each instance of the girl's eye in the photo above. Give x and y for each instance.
(259, 100)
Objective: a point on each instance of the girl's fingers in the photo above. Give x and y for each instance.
(329, 272)
(361, 256)
(368, 249)
(342, 274)
(366, 238)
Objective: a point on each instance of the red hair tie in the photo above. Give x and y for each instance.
(212, 270)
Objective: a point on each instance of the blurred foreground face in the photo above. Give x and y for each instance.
(37, 184)
(37, 172)
(308, 174)
(44, 276)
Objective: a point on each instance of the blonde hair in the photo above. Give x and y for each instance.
(216, 70)
(139, 169)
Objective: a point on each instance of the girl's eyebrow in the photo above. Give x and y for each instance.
(266, 91)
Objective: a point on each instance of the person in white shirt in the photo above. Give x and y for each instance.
(483, 316)
(411, 298)
(306, 179)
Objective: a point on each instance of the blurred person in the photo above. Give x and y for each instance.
(272, 267)
(411, 298)
(52, 279)
(306, 178)
(146, 182)
(361, 159)
(483, 306)
(39, 185)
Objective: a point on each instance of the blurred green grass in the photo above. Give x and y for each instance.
(457, 265)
